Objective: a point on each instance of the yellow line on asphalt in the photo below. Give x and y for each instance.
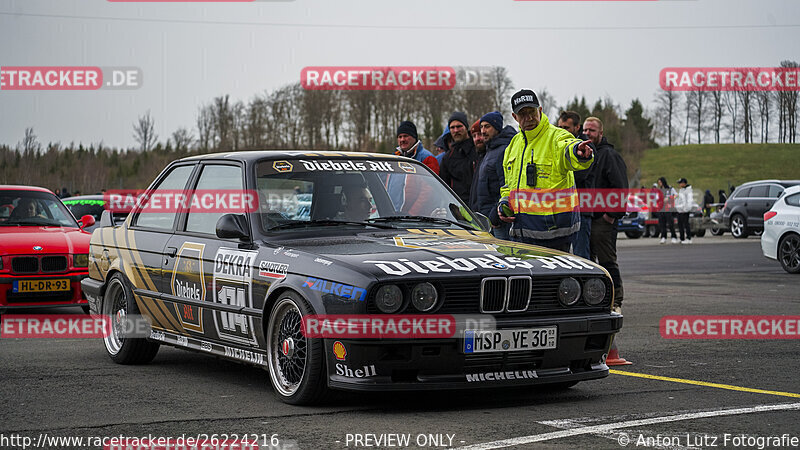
(704, 383)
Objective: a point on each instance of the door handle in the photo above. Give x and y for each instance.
(171, 251)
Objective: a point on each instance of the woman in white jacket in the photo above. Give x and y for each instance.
(684, 204)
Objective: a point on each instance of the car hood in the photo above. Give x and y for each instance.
(432, 252)
(21, 240)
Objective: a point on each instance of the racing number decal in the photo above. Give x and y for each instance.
(187, 282)
(233, 286)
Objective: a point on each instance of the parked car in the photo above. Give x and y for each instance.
(43, 250)
(633, 223)
(781, 238)
(244, 285)
(743, 212)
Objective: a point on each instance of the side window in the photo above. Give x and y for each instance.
(775, 191)
(215, 180)
(793, 200)
(759, 191)
(158, 214)
(743, 193)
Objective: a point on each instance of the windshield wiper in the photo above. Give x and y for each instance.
(326, 222)
(421, 219)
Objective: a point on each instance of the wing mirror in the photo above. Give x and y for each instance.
(86, 221)
(233, 226)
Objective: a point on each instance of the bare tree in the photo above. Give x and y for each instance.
(764, 103)
(501, 86)
(732, 104)
(717, 110)
(547, 102)
(182, 139)
(205, 123)
(787, 110)
(30, 145)
(746, 97)
(667, 104)
(144, 132)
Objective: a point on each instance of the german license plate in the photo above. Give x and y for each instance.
(478, 341)
(54, 285)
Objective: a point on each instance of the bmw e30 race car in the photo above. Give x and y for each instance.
(349, 271)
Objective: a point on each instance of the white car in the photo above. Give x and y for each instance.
(781, 238)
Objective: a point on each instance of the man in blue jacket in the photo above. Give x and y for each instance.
(489, 173)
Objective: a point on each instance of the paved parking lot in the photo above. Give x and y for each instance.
(677, 394)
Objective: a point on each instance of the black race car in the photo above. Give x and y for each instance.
(350, 271)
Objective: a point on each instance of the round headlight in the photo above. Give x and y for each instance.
(569, 291)
(594, 291)
(389, 298)
(424, 297)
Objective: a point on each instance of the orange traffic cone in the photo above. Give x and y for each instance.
(613, 358)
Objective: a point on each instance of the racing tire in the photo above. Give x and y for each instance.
(700, 233)
(789, 253)
(119, 305)
(633, 234)
(297, 366)
(739, 227)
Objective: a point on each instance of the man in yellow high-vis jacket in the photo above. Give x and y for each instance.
(539, 196)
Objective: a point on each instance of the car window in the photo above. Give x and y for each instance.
(33, 208)
(759, 191)
(742, 193)
(214, 179)
(775, 191)
(82, 207)
(158, 212)
(793, 200)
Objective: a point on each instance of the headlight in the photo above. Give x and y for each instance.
(80, 260)
(424, 297)
(569, 291)
(594, 291)
(389, 298)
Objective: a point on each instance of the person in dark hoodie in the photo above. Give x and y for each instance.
(610, 172)
(458, 164)
(489, 173)
(443, 144)
(584, 179)
(480, 152)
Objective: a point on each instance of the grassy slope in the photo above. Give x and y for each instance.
(714, 166)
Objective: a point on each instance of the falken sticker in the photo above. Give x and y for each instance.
(337, 289)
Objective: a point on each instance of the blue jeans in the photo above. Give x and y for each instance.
(501, 232)
(580, 246)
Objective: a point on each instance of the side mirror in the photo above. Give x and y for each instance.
(232, 226)
(483, 221)
(86, 221)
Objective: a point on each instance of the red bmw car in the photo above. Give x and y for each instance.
(43, 250)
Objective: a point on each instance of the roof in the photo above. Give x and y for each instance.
(84, 197)
(252, 155)
(13, 187)
(784, 183)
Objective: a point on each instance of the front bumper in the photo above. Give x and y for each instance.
(423, 364)
(14, 300)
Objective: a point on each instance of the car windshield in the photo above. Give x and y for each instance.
(83, 206)
(378, 192)
(32, 208)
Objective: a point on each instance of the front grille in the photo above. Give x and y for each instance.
(54, 263)
(463, 296)
(25, 264)
(493, 294)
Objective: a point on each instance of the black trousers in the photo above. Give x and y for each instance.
(666, 219)
(604, 251)
(683, 224)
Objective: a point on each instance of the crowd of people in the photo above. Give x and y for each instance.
(494, 167)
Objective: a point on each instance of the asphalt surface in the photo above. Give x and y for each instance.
(749, 389)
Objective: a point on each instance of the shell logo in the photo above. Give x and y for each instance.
(339, 351)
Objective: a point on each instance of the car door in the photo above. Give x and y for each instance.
(211, 279)
(756, 205)
(151, 228)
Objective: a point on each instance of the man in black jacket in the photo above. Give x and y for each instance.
(584, 179)
(457, 165)
(610, 172)
(489, 172)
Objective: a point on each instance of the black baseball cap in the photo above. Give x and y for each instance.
(524, 98)
(682, 180)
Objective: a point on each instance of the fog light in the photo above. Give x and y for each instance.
(594, 291)
(389, 298)
(424, 297)
(569, 291)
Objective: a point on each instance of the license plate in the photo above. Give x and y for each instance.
(56, 285)
(627, 221)
(476, 341)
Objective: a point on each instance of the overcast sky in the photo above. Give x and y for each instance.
(191, 52)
